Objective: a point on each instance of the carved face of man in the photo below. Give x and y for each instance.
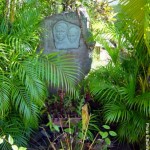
(61, 31)
(73, 34)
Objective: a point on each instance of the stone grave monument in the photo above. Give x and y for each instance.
(68, 32)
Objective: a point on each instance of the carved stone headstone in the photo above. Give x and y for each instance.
(66, 35)
(67, 32)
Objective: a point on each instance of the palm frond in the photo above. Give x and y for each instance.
(59, 71)
(14, 126)
(5, 89)
(24, 105)
(133, 8)
(147, 26)
(108, 36)
(138, 12)
(132, 130)
(116, 112)
(129, 90)
(35, 87)
(25, 74)
(142, 102)
(110, 82)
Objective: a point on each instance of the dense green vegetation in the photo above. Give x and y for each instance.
(25, 74)
(122, 88)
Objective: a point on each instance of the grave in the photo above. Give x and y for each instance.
(68, 33)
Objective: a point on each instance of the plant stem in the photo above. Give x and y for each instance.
(84, 132)
(70, 134)
(52, 145)
(93, 141)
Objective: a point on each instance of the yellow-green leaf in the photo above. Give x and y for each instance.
(10, 140)
(14, 147)
(85, 117)
(1, 141)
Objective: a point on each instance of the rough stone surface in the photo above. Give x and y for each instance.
(67, 32)
(66, 35)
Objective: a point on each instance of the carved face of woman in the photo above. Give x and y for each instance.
(73, 34)
(61, 31)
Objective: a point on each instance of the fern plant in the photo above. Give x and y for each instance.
(121, 104)
(25, 74)
(122, 87)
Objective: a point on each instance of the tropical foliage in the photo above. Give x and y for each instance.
(25, 74)
(123, 86)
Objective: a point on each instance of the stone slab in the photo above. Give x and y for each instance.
(67, 32)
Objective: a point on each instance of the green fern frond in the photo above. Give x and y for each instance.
(142, 102)
(147, 25)
(14, 126)
(24, 105)
(133, 129)
(132, 8)
(59, 71)
(5, 89)
(116, 112)
(138, 12)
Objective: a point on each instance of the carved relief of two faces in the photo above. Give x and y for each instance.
(66, 35)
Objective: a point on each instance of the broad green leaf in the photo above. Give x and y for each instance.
(103, 134)
(1, 141)
(10, 140)
(112, 133)
(69, 130)
(106, 127)
(80, 135)
(56, 128)
(107, 140)
(14, 147)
